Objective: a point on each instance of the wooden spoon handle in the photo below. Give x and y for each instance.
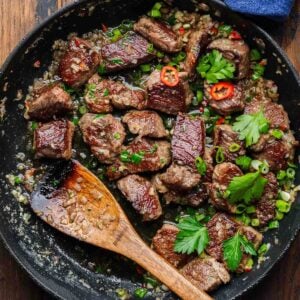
(135, 249)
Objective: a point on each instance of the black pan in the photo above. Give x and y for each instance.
(60, 264)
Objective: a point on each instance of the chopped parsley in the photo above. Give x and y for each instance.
(258, 71)
(214, 67)
(233, 249)
(250, 127)
(192, 236)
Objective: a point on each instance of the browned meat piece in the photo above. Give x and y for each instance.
(155, 155)
(145, 123)
(104, 134)
(188, 139)
(47, 102)
(194, 197)
(209, 161)
(265, 207)
(227, 106)
(199, 38)
(170, 100)
(128, 52)
(274, 113)
(54, 139)
(142, 195)
(79, 63)
(158, 33)
(205, 273)
(277, 152)
(158, 184)
(222, 176)
(163, 244)
(225, 137)
(101, 94)
(220, 228)
(180, 177)
(237, 51)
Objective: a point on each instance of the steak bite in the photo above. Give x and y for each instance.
(79, 63)
(170, 100)
(273, 112)
(198, 40)
(104, 134)
(226, 138)
(163, 244)
(158, 33)
(54, 139)
(104, 94)
(205, 273)
(188, 141)
(145, 123)
(180, 177)
(128, 52)
(142, 195)
(47, 102)
(222, 176)
(237, 51)
(153, 156)
(226, 106)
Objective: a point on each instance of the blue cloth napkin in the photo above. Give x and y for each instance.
(275, 9)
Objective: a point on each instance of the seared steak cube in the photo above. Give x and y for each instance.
(188, 139)
(163, 244)
(205, 273)
(79, 63)
(145, 123)
(180, 177)
(237, 51)
(222, 176)
(47, 102)
(153, 156)
(226, 106)
(158, 33)
(142, 195)
(198, 40)
(170, 100)
(128, 52)
(104, 134)
(273, 112)
(102, 94)
(225, 138)
(54, 139)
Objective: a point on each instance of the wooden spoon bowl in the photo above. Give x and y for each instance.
(73, 200)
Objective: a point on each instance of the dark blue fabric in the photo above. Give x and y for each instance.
(274, 9)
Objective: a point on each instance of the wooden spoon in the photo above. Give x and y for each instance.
(73, 200)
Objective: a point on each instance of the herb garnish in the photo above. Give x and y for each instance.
(134, 158)
(192, 236)
(214, 67)
(233, 249)
(91, 89)
(250, 127)
(200, 165)
(117, 61)
(106, 92)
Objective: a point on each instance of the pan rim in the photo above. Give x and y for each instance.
(21, 46)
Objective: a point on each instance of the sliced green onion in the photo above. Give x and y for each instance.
(244, 219)
(137, 157)
(159, 67)
(34, 125)
(255, 164)
(150, 48)
(145, 68)
(283, 206)
(179, 57)
(284, 195)
(255, 222)
(290, 173)
(243, 162)
(273, 224)
(83, 110)
(18, 180)
(117, 135)
(121, 293)
(292, 165)
(258, 71)
(200, 165)
(281, 175)
(150, 280)
(226, 29)
(140, 292)
(240, 209)
(220, 155)
(160, 54)
(199, 96)
(101, 69)
(255, 55)
(125, 156)
(249, 264)
(106, 92)
(117, 34)
(264, 169)
(155, 13)
(75, 120)
(234, 147)
(279, 215)
(277, 133)
(250, 209)
(263, 249)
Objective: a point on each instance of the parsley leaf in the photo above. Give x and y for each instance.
(246, 187)
(233, 249)
(193, 236)
(250, 127)
(214, 67)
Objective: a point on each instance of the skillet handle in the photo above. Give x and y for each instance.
(134, 248)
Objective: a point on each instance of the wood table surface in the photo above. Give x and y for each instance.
(17, 17)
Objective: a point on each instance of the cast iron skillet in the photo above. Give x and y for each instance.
(60, 264)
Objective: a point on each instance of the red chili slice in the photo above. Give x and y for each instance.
(181, 30)
(234, 35)
(220, 121)
(222, 90)
(169, 76)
